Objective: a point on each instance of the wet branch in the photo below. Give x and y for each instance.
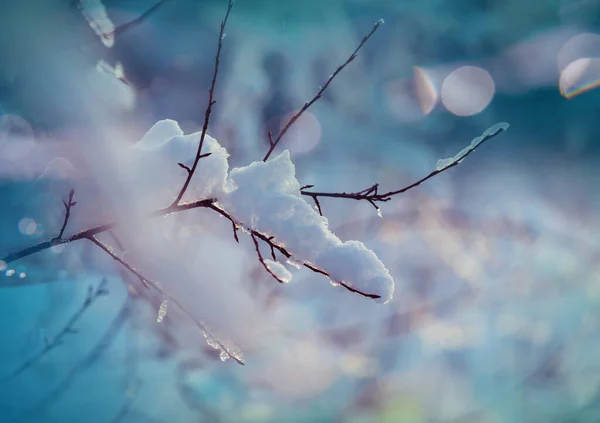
(273, 142)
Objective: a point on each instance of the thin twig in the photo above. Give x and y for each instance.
(68, 329)
(208, 111)
(135, 22)
(69, 204)
(262, 260)
(273, 142)
(372, 194)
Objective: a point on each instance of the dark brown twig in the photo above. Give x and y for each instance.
(273, 142)
(69, 204)
(262, 260)
(68, 329)
(208, 111)
(372, 194)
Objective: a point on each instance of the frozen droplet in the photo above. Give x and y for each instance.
(10, 272)
(212, 343)
(334, 283)
(379, 212)
(22, 275)
(442, 163)
(223, 355)
(162, 311)
(294, 263)
(278, 270)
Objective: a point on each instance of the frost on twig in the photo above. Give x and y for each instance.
(372, 194)
(444, 164)
(95, 14)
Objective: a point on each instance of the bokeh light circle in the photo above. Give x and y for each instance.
(467, 91)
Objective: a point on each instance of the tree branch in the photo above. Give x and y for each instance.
(372, 194)
(208, 111)
(273, 142)
(69, 204)
(87, 233)
(262, 260)
(135, 22)
(68, 329)
(270, 240)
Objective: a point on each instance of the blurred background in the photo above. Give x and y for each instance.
(495, 316)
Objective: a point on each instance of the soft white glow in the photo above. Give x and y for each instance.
(27, 226)
(467, 91)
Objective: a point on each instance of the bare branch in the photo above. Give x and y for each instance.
(208, 111)
(87, 233)
(68, 329)
(68, 205)
(372, 195)
(273, 142)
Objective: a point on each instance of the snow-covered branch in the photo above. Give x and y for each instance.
(263, 199)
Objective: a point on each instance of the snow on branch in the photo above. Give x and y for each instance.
(263, 199)
(95, 14)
